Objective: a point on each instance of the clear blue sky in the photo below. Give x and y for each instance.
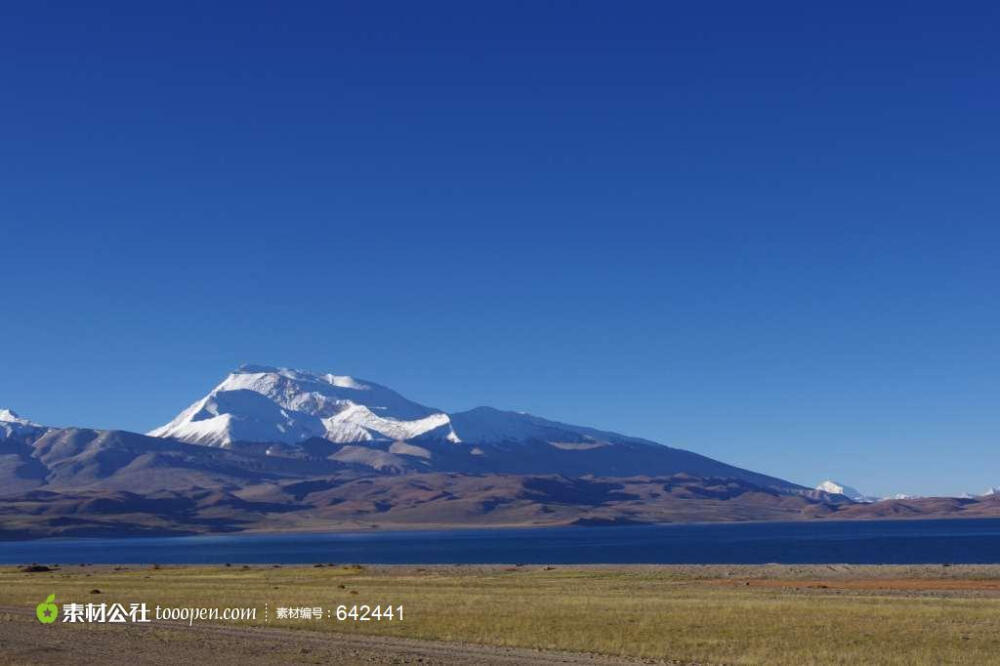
(767, 232)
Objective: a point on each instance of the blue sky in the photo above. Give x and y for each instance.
(767, 232)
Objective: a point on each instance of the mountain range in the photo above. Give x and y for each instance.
(279, 449)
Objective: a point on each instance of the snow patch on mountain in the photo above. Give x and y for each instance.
(357, 423)
(10, 416)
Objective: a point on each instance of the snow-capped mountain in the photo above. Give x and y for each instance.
(852, 494)
(265, 404)
(13, 426)
(295, 413)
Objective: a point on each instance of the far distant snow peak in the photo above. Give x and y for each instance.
(835, 488)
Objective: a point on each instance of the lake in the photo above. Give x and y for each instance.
(869, 542)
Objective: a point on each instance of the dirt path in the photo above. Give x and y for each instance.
(23, 640)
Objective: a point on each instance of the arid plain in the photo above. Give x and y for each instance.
(722, 614)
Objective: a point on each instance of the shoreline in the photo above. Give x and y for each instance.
(394, 528)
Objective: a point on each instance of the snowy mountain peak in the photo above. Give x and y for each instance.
(835, 488)
(258, 403)
(13, 426)
(341, 381)
(10, 416)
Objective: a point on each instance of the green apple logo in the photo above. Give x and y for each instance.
(47, 611)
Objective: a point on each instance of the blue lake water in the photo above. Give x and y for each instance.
(874, 542)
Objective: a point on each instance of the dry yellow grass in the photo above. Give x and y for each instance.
(741, 615)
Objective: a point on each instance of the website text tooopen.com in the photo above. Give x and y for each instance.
(189, 615)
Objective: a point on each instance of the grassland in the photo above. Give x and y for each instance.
(681, 614)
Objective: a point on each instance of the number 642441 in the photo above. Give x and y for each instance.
(366, 613)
